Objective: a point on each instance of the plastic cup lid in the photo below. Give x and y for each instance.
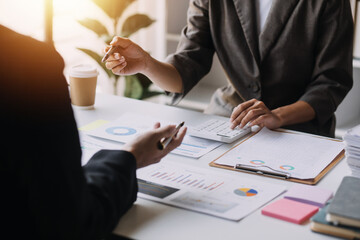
(83, 71)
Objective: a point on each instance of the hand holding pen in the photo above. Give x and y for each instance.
(163, 143)
(145, 147)
(108, 53)
(124, 57)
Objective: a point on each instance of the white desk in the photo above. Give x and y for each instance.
(150, 220)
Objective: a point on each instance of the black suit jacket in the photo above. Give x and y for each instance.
(45, 193)
(303, 53)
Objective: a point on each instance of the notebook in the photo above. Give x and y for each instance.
(345, 207)
(319, 224)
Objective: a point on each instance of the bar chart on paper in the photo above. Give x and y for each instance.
(203, 191)
(187, 179)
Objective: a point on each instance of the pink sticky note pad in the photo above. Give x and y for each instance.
(289, 210)
(309, 194)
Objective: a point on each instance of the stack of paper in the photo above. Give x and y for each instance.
(352, 150)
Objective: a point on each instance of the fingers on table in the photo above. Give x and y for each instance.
(247, 112)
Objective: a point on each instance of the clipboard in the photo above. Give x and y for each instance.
(280, 174)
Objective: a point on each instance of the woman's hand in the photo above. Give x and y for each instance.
(254, 112)
(129, 58)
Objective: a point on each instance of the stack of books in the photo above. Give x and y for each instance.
(352, 150)
(341, 217)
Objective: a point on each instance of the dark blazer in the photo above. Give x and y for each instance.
(303, 53)
(45, 193)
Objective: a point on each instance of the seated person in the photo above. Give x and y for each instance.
(288, 63)
(46, 193)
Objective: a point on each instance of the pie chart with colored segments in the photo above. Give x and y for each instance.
(245, 192)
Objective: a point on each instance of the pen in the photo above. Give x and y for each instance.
(253, 169)
(108, 53)
(164, 142)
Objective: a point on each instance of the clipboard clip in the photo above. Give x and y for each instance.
(254, 169)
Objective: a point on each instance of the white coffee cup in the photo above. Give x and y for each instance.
(83, 80)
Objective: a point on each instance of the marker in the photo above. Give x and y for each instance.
(109, 53)
(164, 142)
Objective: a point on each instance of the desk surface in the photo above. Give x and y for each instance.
(150, 220)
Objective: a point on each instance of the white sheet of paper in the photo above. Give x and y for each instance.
(303, 156)
(130, 125)
(204, 190)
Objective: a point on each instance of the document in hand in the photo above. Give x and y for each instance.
(295, 156)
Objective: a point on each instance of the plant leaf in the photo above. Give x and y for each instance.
(134, 23)
(113, 8)
(95, 26)
(148, 94)
(144, 80)
(146, 83)
(133, 88)
(97, 58)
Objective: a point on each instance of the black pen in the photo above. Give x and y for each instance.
(162, 144)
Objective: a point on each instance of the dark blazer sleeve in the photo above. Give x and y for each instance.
(46, 193)
(332, 73)
(111, 188)
(195, 51)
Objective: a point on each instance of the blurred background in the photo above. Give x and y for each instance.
(71, 26)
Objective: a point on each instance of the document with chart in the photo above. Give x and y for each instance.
(203, 190)
(298, 155)
(130, 125)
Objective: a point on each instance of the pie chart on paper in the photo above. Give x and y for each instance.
(121, 131)
(245, 192)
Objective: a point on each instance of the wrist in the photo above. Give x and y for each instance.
(280, 116)
(148, 63)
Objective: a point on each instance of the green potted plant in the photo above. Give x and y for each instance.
(136, 86)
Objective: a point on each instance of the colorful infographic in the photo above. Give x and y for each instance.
(203, 190)
(257, 162)
(287, 167)
(245, 192)
(130, 125)
(121, 131)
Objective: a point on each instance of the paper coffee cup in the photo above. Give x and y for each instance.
(83, 80)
